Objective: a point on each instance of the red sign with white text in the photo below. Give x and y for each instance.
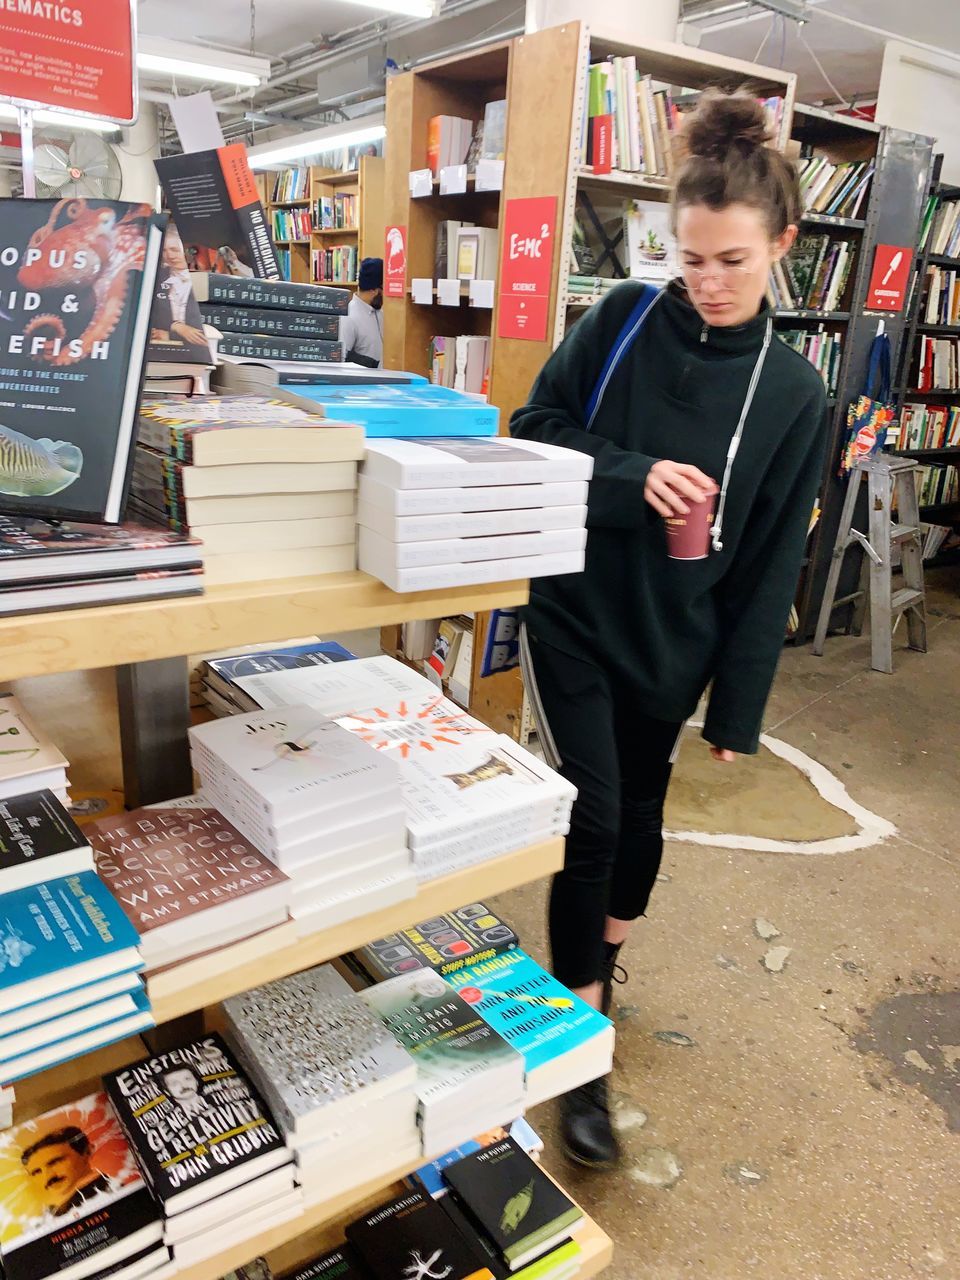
(72, 55)
(529, 230)
(889, 279)
(395, 263)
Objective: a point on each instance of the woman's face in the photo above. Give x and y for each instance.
(725, 260)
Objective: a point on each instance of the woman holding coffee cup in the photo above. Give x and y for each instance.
(707, 435)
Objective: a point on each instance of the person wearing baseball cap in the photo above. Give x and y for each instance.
(361, 329)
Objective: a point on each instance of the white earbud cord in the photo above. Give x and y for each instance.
(716, 531)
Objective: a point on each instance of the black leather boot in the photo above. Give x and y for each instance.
(588, 1136)
(610, 972)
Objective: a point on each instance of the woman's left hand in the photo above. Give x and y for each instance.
(722, 755)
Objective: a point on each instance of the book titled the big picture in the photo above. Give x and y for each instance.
(77, 280)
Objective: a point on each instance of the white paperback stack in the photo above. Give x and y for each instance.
(469, 794)
(337, 1081)
(29, 761)
(318, 801)
(451, 512)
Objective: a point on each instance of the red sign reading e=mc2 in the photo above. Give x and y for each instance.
(70, 55)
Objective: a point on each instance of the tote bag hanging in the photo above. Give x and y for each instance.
(871, 415)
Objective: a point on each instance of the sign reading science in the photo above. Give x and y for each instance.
(71, 55)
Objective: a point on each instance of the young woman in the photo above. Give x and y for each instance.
(704, 405)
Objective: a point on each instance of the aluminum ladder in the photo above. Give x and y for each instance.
(890, 484)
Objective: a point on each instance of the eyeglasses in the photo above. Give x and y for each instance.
(729, 275)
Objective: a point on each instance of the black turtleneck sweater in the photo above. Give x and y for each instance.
(666, 628)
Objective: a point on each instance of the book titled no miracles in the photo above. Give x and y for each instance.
(76, 289)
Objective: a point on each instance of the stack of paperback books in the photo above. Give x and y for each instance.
(814, 276)
(498, 499)
(266, 483)
(66, 565)
(929, 426)
(207, 1147)
(320, 802)
(219, 674)
(188, 881)
(938, 368)
(468, 794)
(29, 761)
(836, 190)
(272, 319)
(73, 1201)
(445, 943)
(70, 979)
(468, 1077)
(339, 1084)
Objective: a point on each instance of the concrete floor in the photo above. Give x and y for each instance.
(803, 1125)
(800, 1125)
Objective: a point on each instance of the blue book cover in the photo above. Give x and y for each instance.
(430, 1176)
(295, 655)
(528, 1006)
(406, 411)
(57, 1052)
(49, 929)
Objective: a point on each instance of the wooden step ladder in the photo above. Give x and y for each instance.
(890, 483)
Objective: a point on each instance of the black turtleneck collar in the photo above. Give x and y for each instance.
(737, 339)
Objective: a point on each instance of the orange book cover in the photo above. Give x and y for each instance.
(434, 132)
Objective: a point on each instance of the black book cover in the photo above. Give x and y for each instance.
(214, 201)
(191, 1115)
(50, 546)
(445, 943)
(76, 286)
(240, 291)
(452, 1207)
(412, 1236)
(255, 346)
(282, 324)
(176, 325)
(511, 1199)
(35, 828)
(341, 1263)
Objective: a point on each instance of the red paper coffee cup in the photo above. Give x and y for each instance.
(688, 537)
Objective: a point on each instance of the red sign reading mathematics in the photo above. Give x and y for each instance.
(71, 55)
(527, 267)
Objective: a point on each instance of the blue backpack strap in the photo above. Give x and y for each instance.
(625, 339)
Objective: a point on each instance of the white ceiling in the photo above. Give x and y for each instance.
(851, 56)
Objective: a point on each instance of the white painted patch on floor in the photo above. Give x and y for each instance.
(873, 828)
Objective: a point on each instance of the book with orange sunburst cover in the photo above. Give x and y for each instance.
(70, 1191)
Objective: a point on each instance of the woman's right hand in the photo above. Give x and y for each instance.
(669, 484)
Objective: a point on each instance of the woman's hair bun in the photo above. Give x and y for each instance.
(725, 122)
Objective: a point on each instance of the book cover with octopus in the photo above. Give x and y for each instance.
(77, 279)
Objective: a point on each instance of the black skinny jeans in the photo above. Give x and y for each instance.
(619, 759)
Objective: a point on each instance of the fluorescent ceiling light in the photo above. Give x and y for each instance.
(190, 62)
(62, 118)
(331, 138)
(411, 8)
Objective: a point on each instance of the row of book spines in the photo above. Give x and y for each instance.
(939, 366)
(336, 213)
(937, 486)
(837, 190)
(942, 222)
(826, 285)
(292, 224)
(642, 120)
(291, 184)
(943, 296)
(823, 350)
(337, 264)
(929, 426)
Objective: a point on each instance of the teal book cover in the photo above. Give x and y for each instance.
(408, 411)
(54, 926)
(533, 1012)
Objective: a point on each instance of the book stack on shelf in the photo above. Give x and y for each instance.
(71, 980)
(199, 676)
(468, 794)
(335, 264)
(445, 943)
(219, 673)
(834, 190)
(815, 274)
(291, 225)
(291, 185)
(73, 1201)
(320, 802)
(48, 565)
(401, 477)
(467, 1077)
(341, 1087)
(448, 141)
(942, 305)
(339, 212)
(190, 883)
(207, 1147)
(943, 226)
(29, 760)
(938, 486)
(822, 347)
(267, 483)
(939, 364)
(267, 319)
(429, 1177)
(462, 362)
(628, 125)
(929, 426)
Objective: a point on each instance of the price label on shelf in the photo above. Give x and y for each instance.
(489, 175)
(421, 183)
(422, 291)
(453, 180)
(481, 293)
(448, 293)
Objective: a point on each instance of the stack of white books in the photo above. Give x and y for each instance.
(439, 513)
(339, 1084)
(29, 760)
(469, 1078)
(469, 794)
(320, 802)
